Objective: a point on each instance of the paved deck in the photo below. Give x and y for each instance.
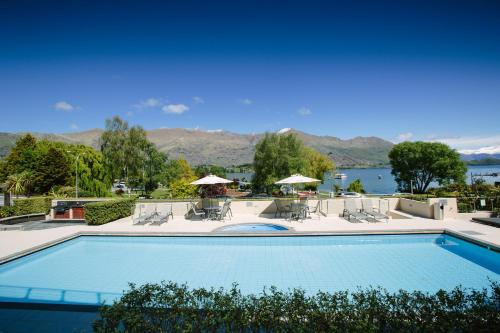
(14, 243)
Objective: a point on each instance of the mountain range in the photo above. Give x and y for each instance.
(228, 149)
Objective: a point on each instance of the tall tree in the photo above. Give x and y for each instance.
(421, 163)
(279, 156)
(113, 147)
(53, 169)
(22, 157)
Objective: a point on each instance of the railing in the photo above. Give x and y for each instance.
(478, 203)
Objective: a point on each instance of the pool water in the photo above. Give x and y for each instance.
(253, 227)
(93, 269)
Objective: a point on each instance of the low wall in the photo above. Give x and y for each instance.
(417, 208)
(22, 218)
(332, 207)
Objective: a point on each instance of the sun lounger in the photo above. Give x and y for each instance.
(369, 210)
(144, 213)
(162, 212)
(353, 213)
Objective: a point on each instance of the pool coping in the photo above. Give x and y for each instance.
(289, 233)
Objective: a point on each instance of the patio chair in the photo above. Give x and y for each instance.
(282, 207)
(369, 210)
(221, 214)
(194, 212)
(314, 210)
(230, 212)
(161, 215)
(298, 211)
(352, 212)
(143, 215)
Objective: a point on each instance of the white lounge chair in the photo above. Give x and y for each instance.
(162, 212)
(369, 210)
(353, 213)
(141, 214)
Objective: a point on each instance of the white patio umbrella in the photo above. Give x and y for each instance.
(211, 180)
(297, 179)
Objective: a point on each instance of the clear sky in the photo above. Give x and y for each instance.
(397, 70)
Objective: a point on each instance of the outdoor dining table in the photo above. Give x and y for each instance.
(299, 210)
(211, 211)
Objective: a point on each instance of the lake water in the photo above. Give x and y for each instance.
(384, 184)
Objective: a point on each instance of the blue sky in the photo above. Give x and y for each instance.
(398, 70)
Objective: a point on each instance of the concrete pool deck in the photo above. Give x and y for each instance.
(16, 243)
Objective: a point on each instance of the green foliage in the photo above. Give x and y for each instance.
(182, 189)
(425, 162)
(205, 170)
(21, 158)
(38, 167)
(6, 211)
(32, 205)
(169, 307)
(53, 169)
(178, 176)
(280, 156)
(129, 156)
(356, 186)
(97, 213)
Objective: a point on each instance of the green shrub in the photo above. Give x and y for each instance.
(169, 307)
(6, 211)
(32, 205)
(97, 213)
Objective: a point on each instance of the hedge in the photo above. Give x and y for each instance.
(25, 206)
(169, 307)
(97, 213)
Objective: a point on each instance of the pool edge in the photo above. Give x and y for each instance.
(77, 234)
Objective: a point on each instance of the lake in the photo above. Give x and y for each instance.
(384, 184)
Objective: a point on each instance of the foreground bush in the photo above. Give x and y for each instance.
(169, 307)
(97, 213)
(34, 205)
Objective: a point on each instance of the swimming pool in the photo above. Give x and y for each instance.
(92, 269)
(252, 227)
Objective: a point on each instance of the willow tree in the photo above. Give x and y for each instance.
(278, 156)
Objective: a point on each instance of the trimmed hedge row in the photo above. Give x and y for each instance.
(34, 205)
(97, 213)
(169, 307)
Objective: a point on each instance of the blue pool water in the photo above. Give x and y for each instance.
(253, 227)
(89, 270)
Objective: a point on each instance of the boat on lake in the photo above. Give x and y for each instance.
(340, 176)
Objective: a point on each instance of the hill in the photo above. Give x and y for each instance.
(226, 148)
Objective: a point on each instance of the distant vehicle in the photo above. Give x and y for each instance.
(340, 176)
(119, 186)
(287, 189)
(349, 195)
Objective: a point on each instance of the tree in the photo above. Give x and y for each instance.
(318, 164)
(178, 176)
(276, 157)
(154, 165)
(130, 156)
(53, 169)
(22, 157)
(356, 186)
(113, 147)
(205, 170)
(421, 163)
(279, 156)
(20, 183)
